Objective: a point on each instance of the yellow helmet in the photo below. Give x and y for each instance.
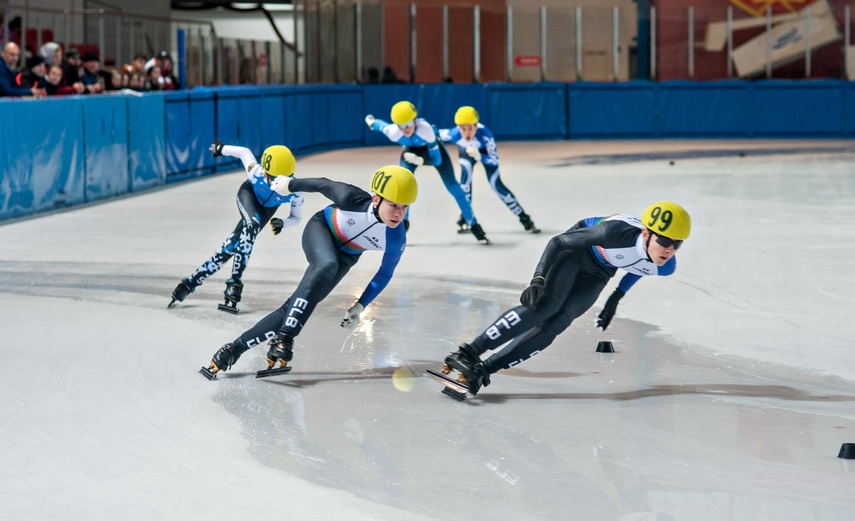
(396, 184)
(668, 219)
(278, 160)
(466, 115)
(403, 112)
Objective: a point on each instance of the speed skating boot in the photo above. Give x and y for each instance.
(281, 349)
(184, 288)
(463, 226)
(225, 358)
(527, 223)
(470, 369)
(479, 234)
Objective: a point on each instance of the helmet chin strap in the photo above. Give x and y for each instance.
(647, 244)
(377, 209)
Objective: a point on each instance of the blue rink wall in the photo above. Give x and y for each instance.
(60, 152)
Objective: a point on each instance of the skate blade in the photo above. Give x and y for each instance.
(453, 388)
(463, 230)
(207, 373)
(264, 373)
(170, 304)
(228, 309)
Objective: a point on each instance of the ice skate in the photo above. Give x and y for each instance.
(463, 226)
(527, 223)
(181, 291)
(479, 234)
(471, 373)
(223, 359)
(281, 349)
(234, 288)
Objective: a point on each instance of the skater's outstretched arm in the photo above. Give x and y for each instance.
(244, 154)
(343, 195)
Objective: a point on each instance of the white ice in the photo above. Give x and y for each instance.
(728, 398)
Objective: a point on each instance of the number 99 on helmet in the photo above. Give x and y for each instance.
(667, 219)
(278, 160)
(403, 112)
(395, 183)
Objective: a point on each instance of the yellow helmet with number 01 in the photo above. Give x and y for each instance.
(667, 219)
(403, 112)
(278, 160)
(466, 115)
(395, 183)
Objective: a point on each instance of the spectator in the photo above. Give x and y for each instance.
(33, 75)
(152, 80)
(51, 53)
(8, 86)
(373, 75)
(389, 75)
(90, 77)
(168, 81)
(71, 67)
(54, 85)
(111, 77)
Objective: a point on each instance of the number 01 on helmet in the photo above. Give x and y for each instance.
(395, 183)
(667, 219)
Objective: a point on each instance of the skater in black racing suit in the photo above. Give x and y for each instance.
(333, 242)
(571, 274)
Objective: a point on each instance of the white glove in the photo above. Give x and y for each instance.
(413, 159)
(280, 185)
(352, 315)
(369, 120)
(472, 151)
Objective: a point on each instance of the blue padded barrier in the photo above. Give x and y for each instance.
(612, 110)
(42, 155)
(65, 151)
(533, 111)
(190, 130)
(239, 121)
(105, 138)
(146, 141)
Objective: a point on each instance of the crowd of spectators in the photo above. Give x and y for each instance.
(53, 72)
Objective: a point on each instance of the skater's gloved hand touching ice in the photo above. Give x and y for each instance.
(280, 184)
(369, 120)
(352, 315)
(472, 151)
(608, 313)
(533, 293)
(276, 225)
(216, 148)
(413, 159)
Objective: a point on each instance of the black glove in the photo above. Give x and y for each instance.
(276, 225)
(608, 313)
(216, 148)
(533, 293)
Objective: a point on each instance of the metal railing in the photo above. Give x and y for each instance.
(342, 41)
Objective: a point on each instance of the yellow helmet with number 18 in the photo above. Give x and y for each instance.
(278, 160)
(667, 219)
(395, 183)
(403, 112)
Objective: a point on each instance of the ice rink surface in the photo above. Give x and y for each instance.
(729, 395)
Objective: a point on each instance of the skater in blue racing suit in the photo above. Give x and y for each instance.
(573, 270)
(421, 147)
(333, 241)
(257, 202)
(476, 143)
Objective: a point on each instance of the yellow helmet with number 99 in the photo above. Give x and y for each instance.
(395, 183)
(667, 219)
